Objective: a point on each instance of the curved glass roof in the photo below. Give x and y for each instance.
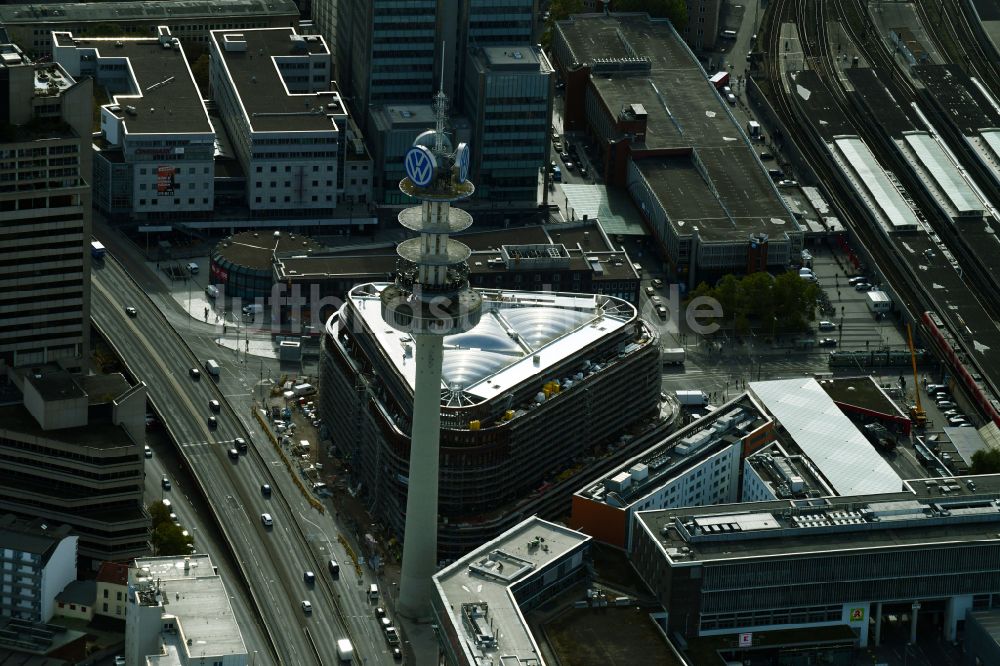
(498, 353)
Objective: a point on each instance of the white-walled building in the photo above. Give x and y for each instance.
(274, 90)
(772, 473)
(179, 612)
(479, 601)
(695, 466)
(36, 563)
(155, 156)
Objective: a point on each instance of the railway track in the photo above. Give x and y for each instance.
(812, 19)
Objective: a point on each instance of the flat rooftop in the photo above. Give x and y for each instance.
(512, 58)
(30, 536)
(878, 101)
(197, 596)
(788, 475)
(786, 528)
(252, 69)
(860, 392)
(635, 61)
(162, 90)
(150, 10)
(484, 579)
(58, 385)
(676, 453)
(255, 250)
(817, 104)
(826, 436)
(521, 336)
(733, 198)
(101, 435)
(958, 98)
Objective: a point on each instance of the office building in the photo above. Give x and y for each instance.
(929, 551)
(508, 99)
(781, 439)
(72, 451)
(154, 159)
(32, 25)
(386, 52)
(541, 380)
(663, 132)
(701, 32)
(37, 561)
(576, 257)
(179, 612)
(274, 91)
(480, 600)
(45, 218)
(694, 466)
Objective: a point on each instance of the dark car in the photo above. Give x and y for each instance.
(214, 405)
(165, 483)
(130, 311)
(195, 373)
(233, 454)
(213, 422)
(240, 444)
(379, 612)
(265, 490)
(828, 342)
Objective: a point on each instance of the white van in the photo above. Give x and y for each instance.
(373, 592)
(212, 367)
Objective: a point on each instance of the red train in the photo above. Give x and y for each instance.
(955, 358)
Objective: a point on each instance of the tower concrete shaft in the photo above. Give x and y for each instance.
(429, 299)
(420, 541)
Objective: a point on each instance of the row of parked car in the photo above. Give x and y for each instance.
(942, 398)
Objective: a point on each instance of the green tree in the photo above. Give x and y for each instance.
(169, 539)
(675, 10)
(199, 70)
(160, 513)
(986, 461)
(562, 9)
(559, 10)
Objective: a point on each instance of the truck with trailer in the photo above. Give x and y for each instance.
(672, 355)
(345, 651)
(692, 398)
(878, 302)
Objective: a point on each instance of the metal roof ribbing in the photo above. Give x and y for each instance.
(871, 175)
(827, 436)
(944, 172)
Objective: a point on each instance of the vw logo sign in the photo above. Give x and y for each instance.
(420, 164)
(462, 159)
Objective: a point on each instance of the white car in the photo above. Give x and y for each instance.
(266, 520)
(307, 607)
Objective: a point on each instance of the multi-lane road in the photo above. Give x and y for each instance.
(273, 560)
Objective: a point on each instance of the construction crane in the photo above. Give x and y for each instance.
(917, 413)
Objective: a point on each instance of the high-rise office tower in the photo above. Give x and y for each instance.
(388, 51)
(429, 299)
(385, 51)
(45, 164)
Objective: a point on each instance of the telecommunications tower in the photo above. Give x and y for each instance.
(429, 299)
